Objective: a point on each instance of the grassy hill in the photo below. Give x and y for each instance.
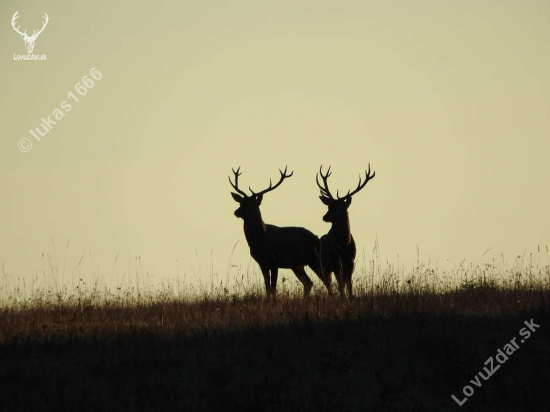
(397, 346)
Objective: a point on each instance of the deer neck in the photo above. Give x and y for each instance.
(340, 230)
(254, 228)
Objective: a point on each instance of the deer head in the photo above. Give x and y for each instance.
(339, 206)
(29, 40)
(250, 204)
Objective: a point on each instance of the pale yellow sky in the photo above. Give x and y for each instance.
(448, 100)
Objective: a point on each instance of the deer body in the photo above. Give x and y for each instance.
(285, 247)
(338, 253)
(274, 247)
(338, 249)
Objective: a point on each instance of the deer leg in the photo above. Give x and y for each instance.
(265, 272)
(327, 271)
(348, 271)
(350, 288)
(274, 276)
(339, 274)
(324, 275)
(302, 277)
(327, 281)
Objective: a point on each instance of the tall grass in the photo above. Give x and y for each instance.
(407, 341)
(372, 277)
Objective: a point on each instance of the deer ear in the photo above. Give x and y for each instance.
(23, 36)
(237, 198)
(259, 198)
(324, 200)
(348, 202)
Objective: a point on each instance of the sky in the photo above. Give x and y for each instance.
(449, 102)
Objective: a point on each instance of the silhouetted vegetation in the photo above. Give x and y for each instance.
(405, 343)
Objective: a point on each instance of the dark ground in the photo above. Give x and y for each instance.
(354, 357)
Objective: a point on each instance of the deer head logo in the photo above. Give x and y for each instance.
(29, 40)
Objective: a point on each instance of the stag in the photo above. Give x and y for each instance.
(273, 247)
(29, 40)
(337, 246)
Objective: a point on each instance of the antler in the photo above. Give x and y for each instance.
(325, 192)
(236, 185)
(15, 17)
(270, 188)
(361, 185)
(34, 36)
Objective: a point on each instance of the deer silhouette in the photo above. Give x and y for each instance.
(273, 247)
(338, 246)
